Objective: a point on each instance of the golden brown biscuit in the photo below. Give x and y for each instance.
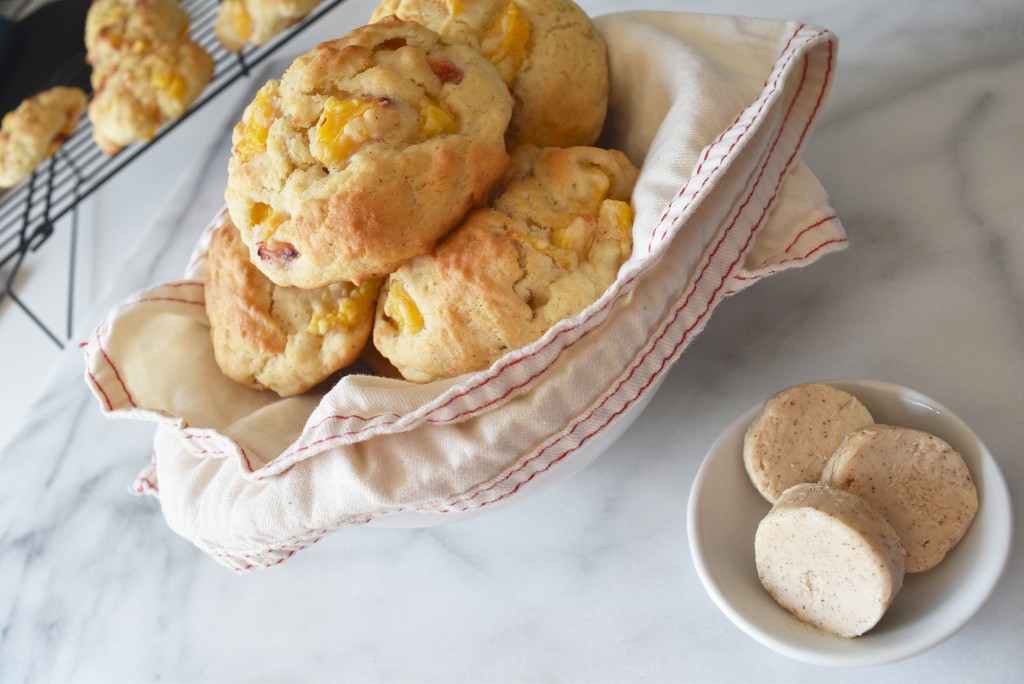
(254, 22)
(547, 51)
(115, 26)
(369, 149)
(140, 91)
(280, 338)
(36, 129)
(544, 249)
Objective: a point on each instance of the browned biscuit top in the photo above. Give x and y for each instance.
(369, 149)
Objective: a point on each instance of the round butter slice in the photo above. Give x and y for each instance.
(829, 558)
(796, 433)
(916, 480)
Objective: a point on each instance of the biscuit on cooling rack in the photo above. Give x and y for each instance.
(37, 129)
(113, 27)
(140, 91)
(145, 69)
(546, 247)
(369, 149)
(280, 338)
(547, 51)
(254, 22)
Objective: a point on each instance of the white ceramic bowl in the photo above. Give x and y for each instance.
(725, 509)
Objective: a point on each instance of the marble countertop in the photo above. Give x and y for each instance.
(920, 148)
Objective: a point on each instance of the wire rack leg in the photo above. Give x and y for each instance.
(9, 291)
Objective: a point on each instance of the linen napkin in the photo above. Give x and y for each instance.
(716, 109)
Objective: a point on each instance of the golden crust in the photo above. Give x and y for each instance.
(547, 51)
(369, 149)
(139, 92)
(279, 338)
(546, 247)
(115, 26)
(37, 129)
(254, 22)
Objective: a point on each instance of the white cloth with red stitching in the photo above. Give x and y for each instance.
(717, 110)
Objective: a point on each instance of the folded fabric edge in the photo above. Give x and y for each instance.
(146, 481)
(788, 260)
(102, 374)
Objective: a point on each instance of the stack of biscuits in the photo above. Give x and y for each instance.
(427, 182)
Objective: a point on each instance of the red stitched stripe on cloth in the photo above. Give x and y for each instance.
(707, 152)
(808, 228)
(758, 276)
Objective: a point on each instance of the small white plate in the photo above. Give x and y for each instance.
(725, 509)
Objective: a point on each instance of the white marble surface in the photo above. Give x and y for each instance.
(920, 148)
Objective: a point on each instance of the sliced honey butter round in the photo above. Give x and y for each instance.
(792, 439)
(829, 558)
(916, 480)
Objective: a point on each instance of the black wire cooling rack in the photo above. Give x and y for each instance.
(30, 211)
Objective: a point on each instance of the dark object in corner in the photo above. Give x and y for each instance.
(44, 49)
